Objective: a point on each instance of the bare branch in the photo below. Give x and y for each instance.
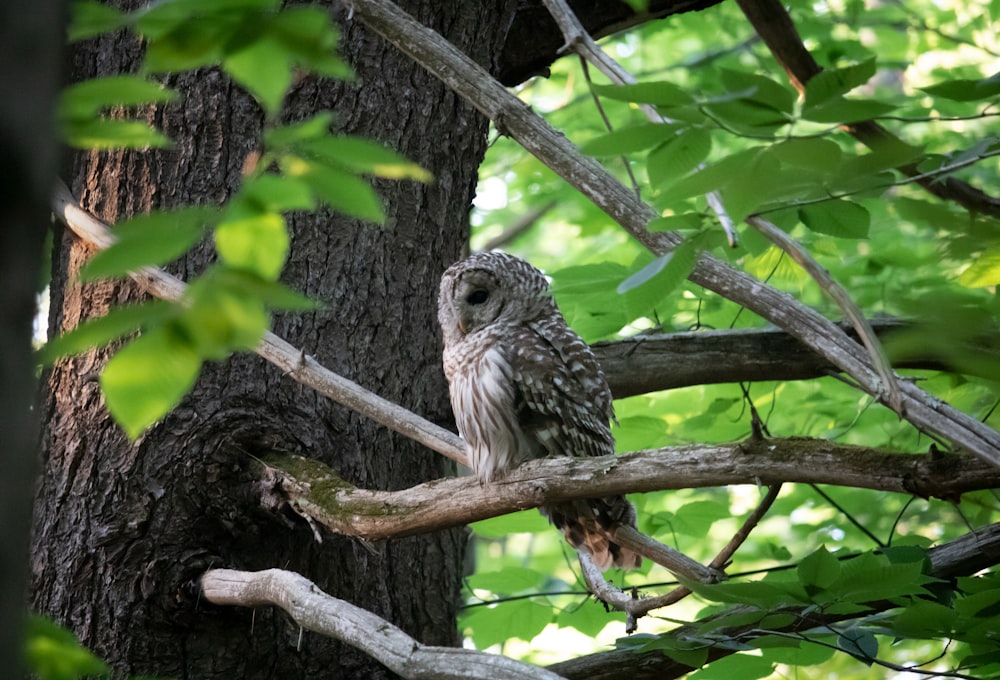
(314, 610)
(649, 363)
(512, 117)
(292, 361)
(316, 491)
(843, 300)
(579, 41)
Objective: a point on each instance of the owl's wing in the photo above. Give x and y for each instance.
(562, 400)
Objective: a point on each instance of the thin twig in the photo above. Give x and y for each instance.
(578, 40)
(672, 560)
(890, 392)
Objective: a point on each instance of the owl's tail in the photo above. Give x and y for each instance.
(588, 525)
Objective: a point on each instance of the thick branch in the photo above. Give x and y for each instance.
(648, 363)
(314, 610)
(513, 117)
(954, 558)
(533, 41)
(317, 492)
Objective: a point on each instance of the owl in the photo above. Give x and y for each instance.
(524, 386)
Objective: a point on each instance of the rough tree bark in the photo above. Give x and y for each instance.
(122, 530)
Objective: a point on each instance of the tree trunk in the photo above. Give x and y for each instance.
(122, 530)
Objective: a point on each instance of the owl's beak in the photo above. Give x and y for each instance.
(461, 325)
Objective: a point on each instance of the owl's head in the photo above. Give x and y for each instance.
(489, 288)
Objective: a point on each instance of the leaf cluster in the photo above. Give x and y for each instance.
(303, 166)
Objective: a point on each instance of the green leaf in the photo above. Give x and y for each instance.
(819, 154)
(962, 90)
(526, 521)
(221, 315)
(363, 156)
(697, 517)
(735, 667)
(253, 240)
(265, 69)
(309, 35)
(757, 593)
(277, 193)
(860, 644)
(678, 156)
(629, 139)
(88, 98)
(819, 570)
(116, 323)
(340, 190)
(984, 271)
(149, 240)
(148, 378)
(287, 136)
(91, 18)
(660, 93)
(104, 134)
(665, 273)
(684, 222)
(840, 110)
(712, 177)
(831, 83)
(54, 653)
(521, 619)
(836, 217)
(766, 92)
(507, 581)
(271, 294)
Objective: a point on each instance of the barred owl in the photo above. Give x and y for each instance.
(523, 386)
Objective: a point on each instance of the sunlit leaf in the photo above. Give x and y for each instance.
(54, 653)
(660, 93)
(510, 580)
(147, 240)
(340, 190)
(265, 69)
(629, 139)
(984, 271)
(520, 619)
(116, 323)
(148, 378)
(253, 240)
(363, 156)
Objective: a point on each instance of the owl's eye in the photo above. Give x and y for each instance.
(477, 297)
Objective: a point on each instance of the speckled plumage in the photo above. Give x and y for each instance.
(524, 385)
